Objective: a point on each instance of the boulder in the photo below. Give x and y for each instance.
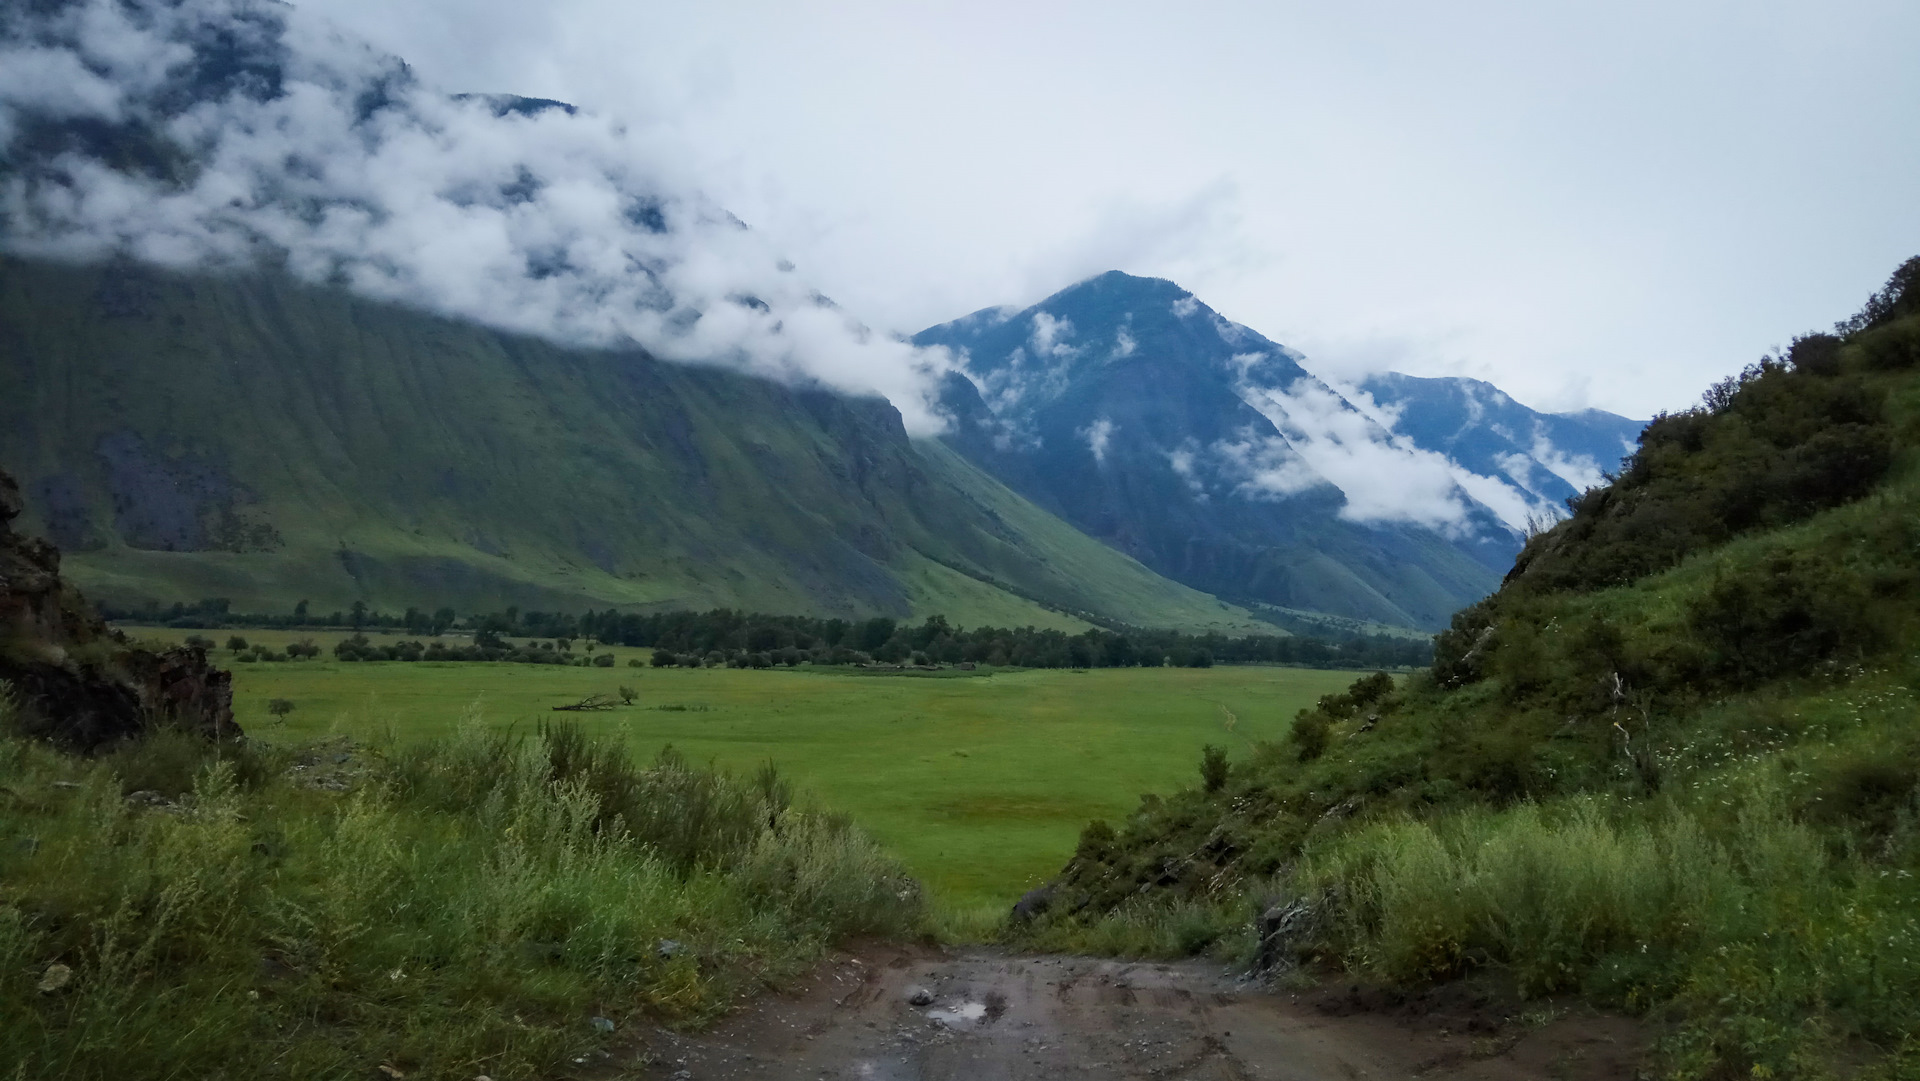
(77, 681)
(1032, 904)
(1281, 928)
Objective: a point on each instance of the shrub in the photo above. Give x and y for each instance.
(1213, 768)
(603, 660)
(1310, 734)
(1780, 620)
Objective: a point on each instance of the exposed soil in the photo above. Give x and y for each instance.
(989, 1016)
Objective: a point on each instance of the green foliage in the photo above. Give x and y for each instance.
(1213, 768)
(1310, 734)
(472, 901)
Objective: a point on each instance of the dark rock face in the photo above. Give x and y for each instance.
(1033, 904)
(77, 681)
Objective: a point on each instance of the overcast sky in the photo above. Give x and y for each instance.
(1607, 204)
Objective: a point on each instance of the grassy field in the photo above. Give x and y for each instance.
(980, 783)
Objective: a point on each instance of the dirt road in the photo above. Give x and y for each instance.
(905, 1014)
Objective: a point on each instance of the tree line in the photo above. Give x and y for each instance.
(725, 636)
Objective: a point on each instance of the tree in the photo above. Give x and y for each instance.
(237, 644)
(280, 707)
(359, 614)
(300, 612)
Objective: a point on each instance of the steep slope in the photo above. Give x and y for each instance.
(1549, 456)
(255, 438)
(1671, 764)
(1204, 450)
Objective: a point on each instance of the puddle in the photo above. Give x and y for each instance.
(966, 1013)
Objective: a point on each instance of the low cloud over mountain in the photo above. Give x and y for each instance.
(232, 133)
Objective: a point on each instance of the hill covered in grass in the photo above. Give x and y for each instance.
(1672, 764)
(253, 438)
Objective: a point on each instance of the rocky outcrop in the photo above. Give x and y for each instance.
(78, 682)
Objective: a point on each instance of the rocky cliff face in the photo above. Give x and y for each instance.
(77, 681)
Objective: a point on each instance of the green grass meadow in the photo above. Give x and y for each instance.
(981, 783)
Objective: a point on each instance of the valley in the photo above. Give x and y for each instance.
(979, 782)
(473, 607)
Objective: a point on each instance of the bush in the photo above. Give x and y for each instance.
(1213, 768)
(1780, 620)
(603, 660)
(1310, 734)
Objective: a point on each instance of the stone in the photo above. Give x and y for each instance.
(600, 1024)
(919, 996)
(78, 682)
(1032, 904)
(1281, 927)
(56, 978)
(669, 949)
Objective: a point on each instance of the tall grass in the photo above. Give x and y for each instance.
(465, 907)
(1768, 941)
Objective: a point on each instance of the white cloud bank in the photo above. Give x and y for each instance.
(269, 137)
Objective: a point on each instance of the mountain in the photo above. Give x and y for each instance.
(1551, 457)
(252, 437)
(1205, 450)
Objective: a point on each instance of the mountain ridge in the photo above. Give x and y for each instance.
(252, 437)
(1209, 452)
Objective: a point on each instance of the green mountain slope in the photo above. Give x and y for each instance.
(1673, 764)
(256, 439)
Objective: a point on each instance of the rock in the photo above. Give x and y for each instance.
(600, 1024)
(919, 996)
(153, 801)
(56, 978)
(1032, 904)
(391, 1071)
(668, 949)
(1281, 928)
(78, 682)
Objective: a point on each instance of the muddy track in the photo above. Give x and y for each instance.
(916, 1014)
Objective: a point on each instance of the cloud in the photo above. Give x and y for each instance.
(1097, 434)
(272, 139)
(1578, 470)
(1181, 460)
(1050, 335)
(1384, 478)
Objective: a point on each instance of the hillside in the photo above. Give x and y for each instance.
(254, 438)
(1671, 765)
(1205, 450)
